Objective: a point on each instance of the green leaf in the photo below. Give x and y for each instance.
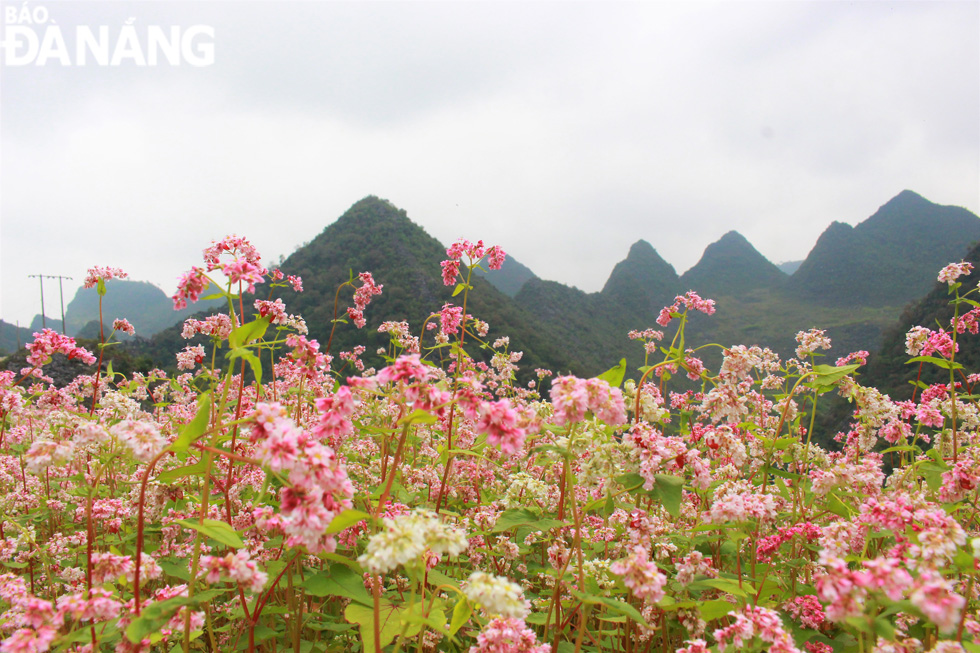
(248, 332)
(196, 427)
(339, 580)
(938, 362)
(933, 474)
(171, 568)
(461, 614)
(389, 627)
(828, 375)
(172, 475)
(838, 507)
(460, 287)
(937, 455)
(419, 416)
(155, 616)
(434, 577)
(630, 481)
(253, 360)
(723, 584)
(436, 619)
(614, 376)
(715, 609)
(884, 629)
(521, 516)
(670, 489)
(623, 608)
(216, 530)
(346, 519)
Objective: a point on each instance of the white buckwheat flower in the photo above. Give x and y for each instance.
(497, 595)
(407, 538)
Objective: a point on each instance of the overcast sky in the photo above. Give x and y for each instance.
(562, 131)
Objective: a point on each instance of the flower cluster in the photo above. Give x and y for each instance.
(573, 397)
(49, 342)
(690, 301)
(362, 297)
(103, 274)
(236, 567)
(953, 271)
(641, 574)
(407, 538)
(319, 487)
(496, 595)
(474, 253)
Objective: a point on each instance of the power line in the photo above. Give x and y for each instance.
(61, 290)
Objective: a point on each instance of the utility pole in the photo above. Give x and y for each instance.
(61, 290)
(40, 279)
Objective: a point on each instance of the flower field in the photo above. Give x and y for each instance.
(278, 496)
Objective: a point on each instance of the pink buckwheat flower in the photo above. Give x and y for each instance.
(508, 635)
(496, 257)
(335, 411)
(142, 437)
(367, 289)
(29, 640)
(107, 567)
(121, 324)
(935, 597)
(499, 421)
(915, 340)
(695, 646)
(572, 397)
(450, 272)
(243, 271)
(691, 301)
(237, 246)
(189, 357)
(237, 567)
(190, 287)
(45, 453)
(450, 319)
(320, 488)
(806, 610)
(49, 342)
(756, 622)
(641, 575)
(810, 341)
(967, 322)
(97, 273)
(953, 271)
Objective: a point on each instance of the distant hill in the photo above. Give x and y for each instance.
(889, 259)
(789, 267)
(871, 268)
(641, 283)
(377, 237)
(510, 278)
(12, 337)
(732, 266)
(45, 322)
(888, 369)
(146, 307)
